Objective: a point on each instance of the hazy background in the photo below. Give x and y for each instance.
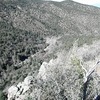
(88, 2)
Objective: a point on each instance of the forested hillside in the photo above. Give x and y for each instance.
(62, 36)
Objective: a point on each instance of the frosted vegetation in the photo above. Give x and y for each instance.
(53, 43)
(65, 76)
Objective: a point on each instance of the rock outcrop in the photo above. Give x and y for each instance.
(18, 92)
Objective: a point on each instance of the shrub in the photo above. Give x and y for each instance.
(2, 95)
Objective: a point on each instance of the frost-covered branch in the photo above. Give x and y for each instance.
(88, 74)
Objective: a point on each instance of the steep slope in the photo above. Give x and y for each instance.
(28, 26)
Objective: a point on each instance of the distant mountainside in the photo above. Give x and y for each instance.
(34, 31)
